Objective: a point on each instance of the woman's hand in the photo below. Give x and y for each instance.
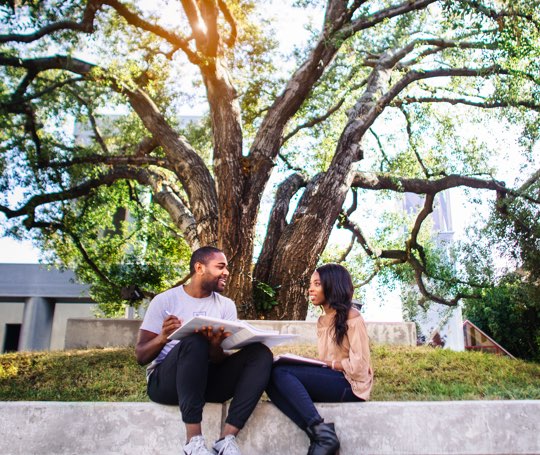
(334, 364)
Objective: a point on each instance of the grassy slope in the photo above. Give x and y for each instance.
(401, 374)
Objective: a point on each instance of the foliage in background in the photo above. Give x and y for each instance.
(510, 313)
(114, 249)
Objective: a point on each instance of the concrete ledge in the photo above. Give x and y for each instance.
(100, 333)
(383, 428)
(96, 428)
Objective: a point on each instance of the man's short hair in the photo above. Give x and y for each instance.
(202, 255)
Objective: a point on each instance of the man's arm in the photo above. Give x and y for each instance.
(150, 344)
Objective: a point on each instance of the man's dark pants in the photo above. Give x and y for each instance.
(187, 377)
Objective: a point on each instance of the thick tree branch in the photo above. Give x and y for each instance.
(373, 181)
(424, 213)
(345, 222)
(209, 12)
(468, 102)
(164, 193)
(412, 243)
(57, 62)
(187, 165)
(231, 21)
(365, 22)
(108, 160)
(437, 45)
(501, 14)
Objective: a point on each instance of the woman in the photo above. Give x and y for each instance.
(343, 345)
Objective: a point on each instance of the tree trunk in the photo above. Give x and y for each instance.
(303, 241)
(237, 219)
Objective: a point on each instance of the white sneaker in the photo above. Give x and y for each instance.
(197, 446)
(227, 446)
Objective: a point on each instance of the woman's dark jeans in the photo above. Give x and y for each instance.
(294, 388)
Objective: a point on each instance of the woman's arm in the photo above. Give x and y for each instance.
(358, 364)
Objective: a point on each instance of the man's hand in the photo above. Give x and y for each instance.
(170, 324)
(215, 338)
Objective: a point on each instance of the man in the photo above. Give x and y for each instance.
(196, 369)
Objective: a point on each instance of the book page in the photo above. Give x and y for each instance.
(293, 358)
(190, 326)
(257, 330)
(242, 333)
(246, 337)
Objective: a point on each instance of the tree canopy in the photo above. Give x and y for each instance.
(375, 102)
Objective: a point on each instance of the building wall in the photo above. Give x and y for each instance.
(12, 313)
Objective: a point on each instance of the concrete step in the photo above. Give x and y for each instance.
(457, 427)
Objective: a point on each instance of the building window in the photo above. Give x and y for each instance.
(11, 339)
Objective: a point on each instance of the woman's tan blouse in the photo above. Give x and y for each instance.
(353, 353)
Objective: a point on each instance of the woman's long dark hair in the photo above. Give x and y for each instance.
(338, 292)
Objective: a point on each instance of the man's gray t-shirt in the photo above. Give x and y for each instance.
(177, 302)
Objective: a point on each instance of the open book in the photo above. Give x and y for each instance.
(242, 333)
(293, 358)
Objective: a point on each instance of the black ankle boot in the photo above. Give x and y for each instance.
(324, 440)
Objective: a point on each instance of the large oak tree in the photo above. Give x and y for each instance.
(376, 78)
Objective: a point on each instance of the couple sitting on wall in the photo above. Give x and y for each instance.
(196, 370)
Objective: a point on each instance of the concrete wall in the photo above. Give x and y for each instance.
(91, 333)
(383, 428)
(64, 312)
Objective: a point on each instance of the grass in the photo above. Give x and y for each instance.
(401, 374)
